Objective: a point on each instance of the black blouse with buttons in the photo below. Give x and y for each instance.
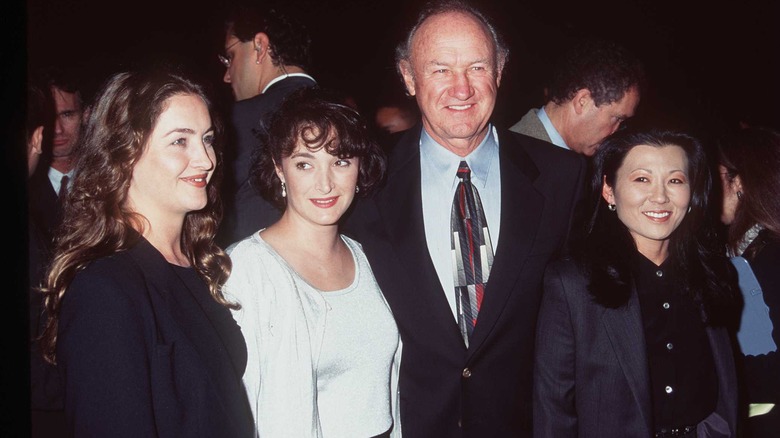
(683, 380)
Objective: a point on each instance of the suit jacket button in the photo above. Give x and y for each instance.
(466, 373)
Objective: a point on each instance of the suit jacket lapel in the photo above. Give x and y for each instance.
(521, 207)
(536, 127)
(403, 221)
(187, 314)
(627, 335)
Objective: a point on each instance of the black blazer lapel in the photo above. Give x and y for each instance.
(626, 333)
(192, 321)
(400, 208)
(521, 207)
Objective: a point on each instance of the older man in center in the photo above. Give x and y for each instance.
(465, 299)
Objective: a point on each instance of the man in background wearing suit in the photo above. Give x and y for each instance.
(52, 177)
(595, 86)
(265, 56)
(465, 299)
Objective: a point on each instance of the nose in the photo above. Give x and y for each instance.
(58, 125)
(324, 183)
(203, 158)
(659, 194)
(461, 88)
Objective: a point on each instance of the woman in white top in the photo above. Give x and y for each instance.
(324, 348)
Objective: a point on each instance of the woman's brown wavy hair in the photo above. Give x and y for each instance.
(96, 220)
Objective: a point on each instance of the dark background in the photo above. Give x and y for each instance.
(710, 67)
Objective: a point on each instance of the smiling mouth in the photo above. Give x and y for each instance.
(459, 107)
(657, 215)
(198, 181)
(324, 202)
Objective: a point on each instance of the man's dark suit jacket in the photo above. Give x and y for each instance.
(142, 356)
(592, 377)
(44, 207)
(247, 211)
(447, 390)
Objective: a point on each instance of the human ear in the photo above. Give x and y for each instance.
(500, 69)
(406, 71)
(261, 45)
(581, 100)
(737, 183)
(606, 191)
(279, 173)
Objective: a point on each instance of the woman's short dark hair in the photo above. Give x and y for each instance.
(315, 117)
(753, 154)
(608, 247)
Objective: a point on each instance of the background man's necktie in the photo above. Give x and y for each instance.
(63, 188)
(472, 251)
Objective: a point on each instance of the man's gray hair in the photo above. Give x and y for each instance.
(437, 7)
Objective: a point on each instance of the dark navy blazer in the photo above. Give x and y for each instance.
(141, 356)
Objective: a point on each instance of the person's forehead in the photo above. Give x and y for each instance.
(449, 25)
(64, 99)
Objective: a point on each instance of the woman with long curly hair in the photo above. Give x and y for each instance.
(138, 326)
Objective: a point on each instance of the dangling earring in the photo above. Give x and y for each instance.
(357, 189)
(689, 209)
(284, 190)
(611, 207)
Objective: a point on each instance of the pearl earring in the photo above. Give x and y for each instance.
(611, 207)
(284, 190)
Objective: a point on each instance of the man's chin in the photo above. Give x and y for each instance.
(62, 155)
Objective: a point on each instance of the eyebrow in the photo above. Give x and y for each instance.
(669, 173)
(436, 62)
(302, 154)
(186, 131)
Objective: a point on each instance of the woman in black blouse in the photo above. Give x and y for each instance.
(750, 174)
(138, 326)
(629, 342)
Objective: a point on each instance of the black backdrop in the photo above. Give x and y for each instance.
(710, 65)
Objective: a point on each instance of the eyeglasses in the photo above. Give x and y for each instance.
(224, 58)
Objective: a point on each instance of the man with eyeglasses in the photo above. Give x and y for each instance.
(265, 56)
(594, 88)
